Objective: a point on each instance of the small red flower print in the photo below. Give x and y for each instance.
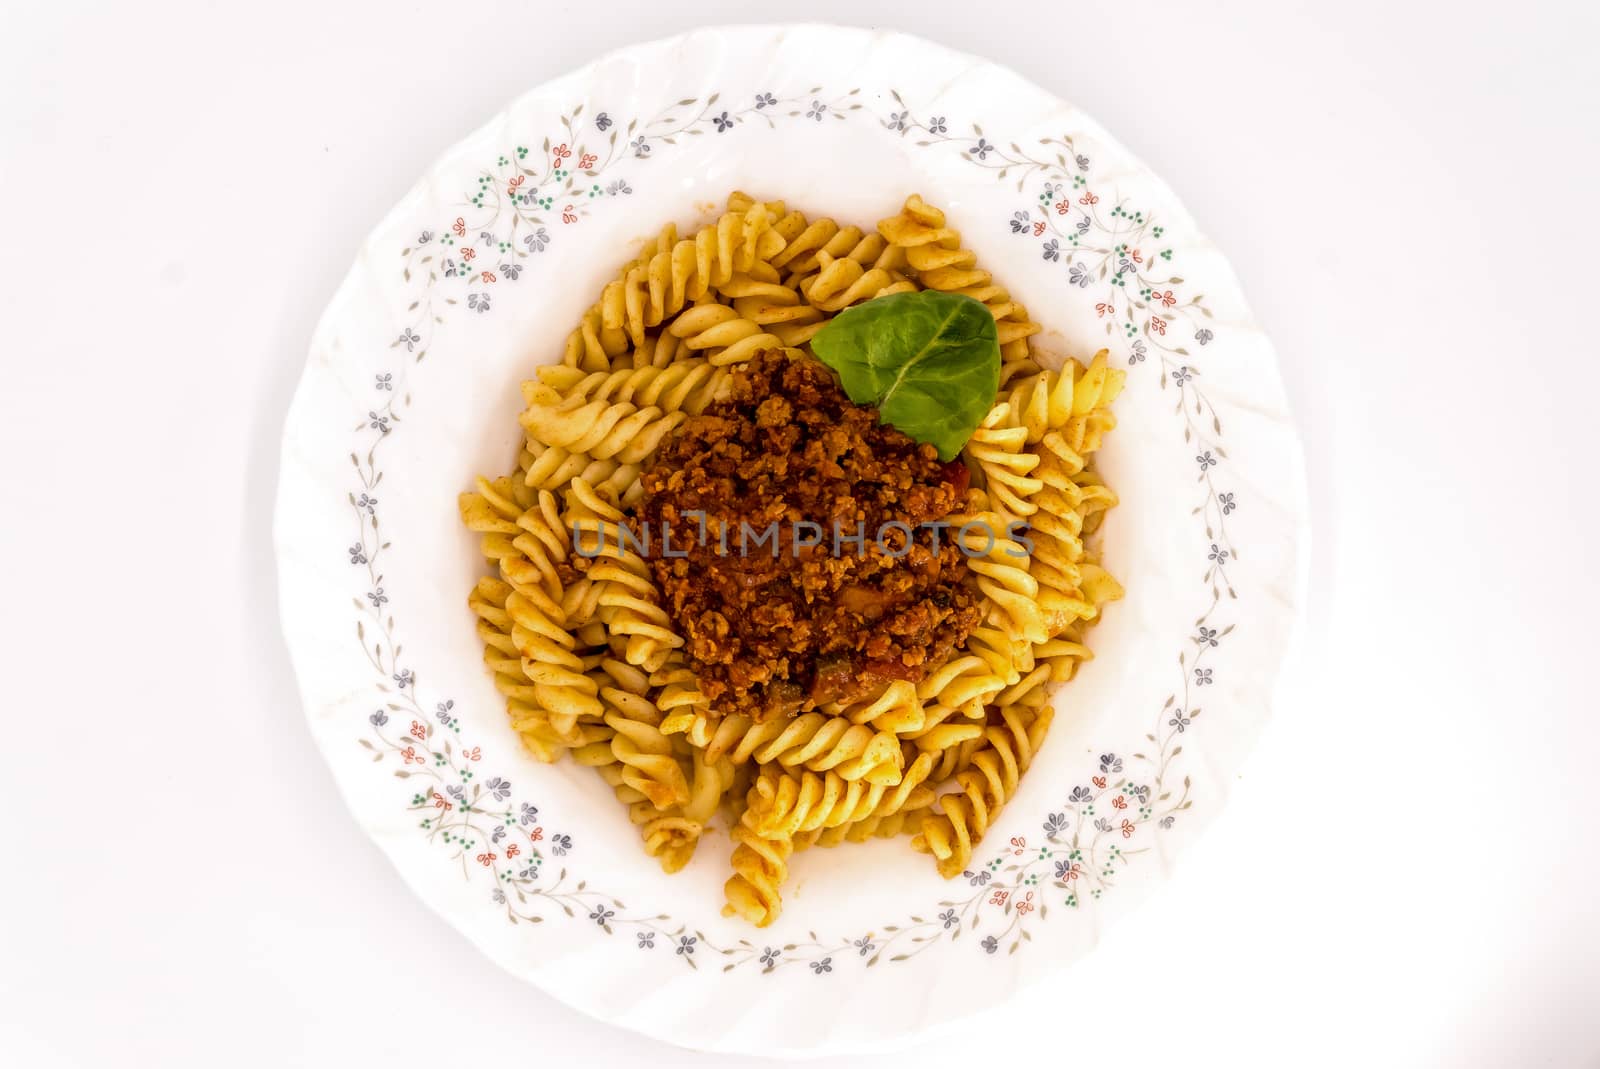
(474, 754)
(511, 186)
(440, 802)
(586, 161)
(418, 730)
(410, 756)
(536, 834)
(487, 276)
(1063, 208)
(999, 898)
(569, 214)
(1088, 198)
(469, 254)
(512, 851)
(1018, 844)
(1038, 228)
(1136, 256)
(1099, 781)
(459, 226)
(1158, 324)
(1070, 872)
(1026, 905)
(1119, 802)
(1127, 828)
(1166, 298)
(1103, 309)
(486, 859)
(561, 152)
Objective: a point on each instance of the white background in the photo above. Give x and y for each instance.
(1406, 872)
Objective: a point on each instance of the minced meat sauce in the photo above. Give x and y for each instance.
(773, 569)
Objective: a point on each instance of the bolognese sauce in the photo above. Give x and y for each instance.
(797, 544)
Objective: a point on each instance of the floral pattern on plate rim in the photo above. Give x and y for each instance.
(1090, 835)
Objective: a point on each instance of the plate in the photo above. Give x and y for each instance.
(411, 388)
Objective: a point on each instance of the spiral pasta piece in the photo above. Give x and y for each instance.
(983, 788)
(760, 865)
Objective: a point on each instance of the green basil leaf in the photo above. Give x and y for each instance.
(929, 361)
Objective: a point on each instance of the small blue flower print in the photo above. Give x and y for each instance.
(1140, 351)
(765, 100)
(499, 896)
(498, 787)
(1054, 823)
(487, 238)
(820, 967)
(724, 123)
(1110, 762)
(1082, 162)
(1206, 460)
(358, 554)
(897, 120)
(1019, 222)
(602, 122)
(386, 381)
(409, 339)
(537, 240)
(1168, 821)
(981, 149)
(530, 814)
(1181, 376)
(685, 945)
(936, 125)
(948, 917)
(560, 844)
(864, 945)
(403, 679)
(641, 147)
(478, 301)
(1083, 225)
(619, 188)
(378, 421)
(368, 503)
(1049, 192)
(817, 110)
(498, 833)
(647, 940)
(1207, 636)
(1226, 500)
(1079, 275)
(1052, 249)
(600, 915)
(1180, 721)
(1202, 677)
(1203, 335)
(977, 879)
(377, 597)
(1063, 867)
(1102, 824)
(442, 712)
(510, 271)
(990, 944)
(449, 267)
(378, 719)
(455, 790)
(424, 237)
(1217, 554)
(1080, 795)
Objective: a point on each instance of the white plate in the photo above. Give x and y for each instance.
(411, 390)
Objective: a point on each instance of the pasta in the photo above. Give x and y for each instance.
(586, 648)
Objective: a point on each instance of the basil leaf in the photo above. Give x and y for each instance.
(929, 361)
